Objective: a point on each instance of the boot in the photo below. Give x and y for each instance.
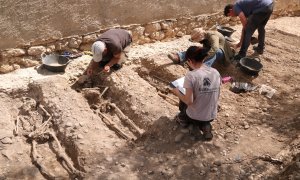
(174, 57)
(258, 50)
(207, 134)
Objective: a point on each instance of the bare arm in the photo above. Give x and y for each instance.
(214, 43)
(116, 58)
(92, 67)
(187, 98)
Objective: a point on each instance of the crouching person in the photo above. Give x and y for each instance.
(199, 104)
(109, 50)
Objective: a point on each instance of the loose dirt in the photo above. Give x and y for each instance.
(122, 125)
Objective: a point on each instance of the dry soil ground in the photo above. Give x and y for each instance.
(128, 131)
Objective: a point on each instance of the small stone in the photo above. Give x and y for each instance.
(214, 169)
(196, 151)
(69, 124)
(246, 126)
(7, 140)
(264, 109)
(174, 128)
(224, 153)
(218, 163)
(189, 152)
(174, 163)
(242, 172)
(80, 136)
(298, 164)
(161, 160)
(185, 130)
(226, 115)
(109, 159)
(150, 172)
(180, 34)
(179, 137)
(237, 158)
(202, 173)
(123, 164)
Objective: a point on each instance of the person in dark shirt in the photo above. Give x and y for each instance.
(108, 49)
(254, 14)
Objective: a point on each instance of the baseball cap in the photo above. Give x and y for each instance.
(197, 34)
(97, 50)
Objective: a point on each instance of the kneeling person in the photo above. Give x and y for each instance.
(109, 49)
(199, 104)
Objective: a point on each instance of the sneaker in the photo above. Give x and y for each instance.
(174, 57)
(258, 50)
(207, 134)
(238, 57)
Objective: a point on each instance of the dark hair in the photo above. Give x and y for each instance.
(196, 53)
(227, 8)
(205, 43)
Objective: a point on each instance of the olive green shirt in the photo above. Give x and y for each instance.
(218, 41)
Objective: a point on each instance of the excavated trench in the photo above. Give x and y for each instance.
(125, 104)
(35, 118)
(121, 107)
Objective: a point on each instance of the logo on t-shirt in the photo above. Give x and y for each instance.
(206, 82)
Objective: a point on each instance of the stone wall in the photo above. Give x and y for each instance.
(28, 54)
(22, 22)
(26, 21)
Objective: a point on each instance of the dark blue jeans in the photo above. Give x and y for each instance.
(256, 21)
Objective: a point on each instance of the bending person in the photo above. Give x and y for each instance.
(108, 51)
(199, 104)
(253, 15)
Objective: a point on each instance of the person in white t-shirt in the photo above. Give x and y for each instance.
(199, 104)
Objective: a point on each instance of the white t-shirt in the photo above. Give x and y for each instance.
(205, 83)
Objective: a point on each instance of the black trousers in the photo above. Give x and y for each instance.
(256, 21)
(184, 117)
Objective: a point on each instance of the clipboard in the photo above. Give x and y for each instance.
(178, 83)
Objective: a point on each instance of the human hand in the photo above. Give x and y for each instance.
(238, 45)
(106, 69)
(175, 91)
